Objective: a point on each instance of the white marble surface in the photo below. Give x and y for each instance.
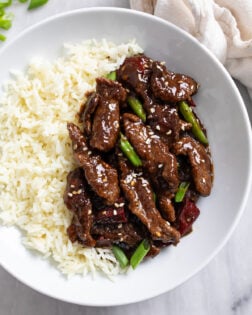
(224, 287)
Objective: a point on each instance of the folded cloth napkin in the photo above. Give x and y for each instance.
(223, 26)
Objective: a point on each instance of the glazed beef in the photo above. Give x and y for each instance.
(165, 205)
(101, 176)
(201, 166)
(126, 233)
(169, 86)
(154, 153)
(135, 73)
(138, 192)
(111, 215)
(125, 189)
(77, 200)
(105, 127)
(88, 110)
(164, 119)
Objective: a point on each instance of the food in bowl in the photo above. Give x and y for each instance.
(143, 161)
(34, 112)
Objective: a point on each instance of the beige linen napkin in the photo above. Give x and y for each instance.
(223, 26)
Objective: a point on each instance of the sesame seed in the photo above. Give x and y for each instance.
(158, 234)
(133, 182)
(79, 191)
(75, 146)
(119, 226)
(117, 205)
(119, 234)
(72, 186)
(121, 204)
(148, 141)
(89, 211)
(116, 124)
(89, 152)
(70, 195)
(169, 132)
(121, 239)
(160, 165)
(104, 180)
(157, 127)
(114, 212)
(162, 63)
(152, 110)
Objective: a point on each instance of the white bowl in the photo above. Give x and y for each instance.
(220, 107)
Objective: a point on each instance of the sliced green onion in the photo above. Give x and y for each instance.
(36, 3)
(2, 37)
(2, 12)
(129, 151)
(22, 1)
(137, 107)
(120, 256)
(5, 23)
(111, 75)
(180, 194)
(139, 254)
(155, 197)
(4, 4)
(189, 116)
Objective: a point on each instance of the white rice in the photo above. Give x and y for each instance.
(36, 155)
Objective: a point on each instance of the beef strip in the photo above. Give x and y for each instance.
(201, 166)
(135, 73)
(105, 127)
(88, 111)
(77, 200)
(109, 234)
(169, 86)
(164, 119)
(138, 193)
(165, 205)
(111, 215)
(154, 153)
(101, 176)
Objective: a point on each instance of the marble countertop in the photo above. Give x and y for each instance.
(223, 287)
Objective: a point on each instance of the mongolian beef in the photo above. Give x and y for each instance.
(143, 161)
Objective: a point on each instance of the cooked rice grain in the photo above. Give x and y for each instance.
(35, 151)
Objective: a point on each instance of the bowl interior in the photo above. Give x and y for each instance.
(222, 112)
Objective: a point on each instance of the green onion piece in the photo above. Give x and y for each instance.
(5, 23)
(137, 107)
(22, 1)
(111, 75)
(155, 197)
(120, 256)
(2, 12)
(139, 254)
(36, 3)
(2, 37)
(129, 151)
(180, 194)
(189, 116)
(4, 4)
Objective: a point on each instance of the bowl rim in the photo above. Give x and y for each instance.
(246, 121)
